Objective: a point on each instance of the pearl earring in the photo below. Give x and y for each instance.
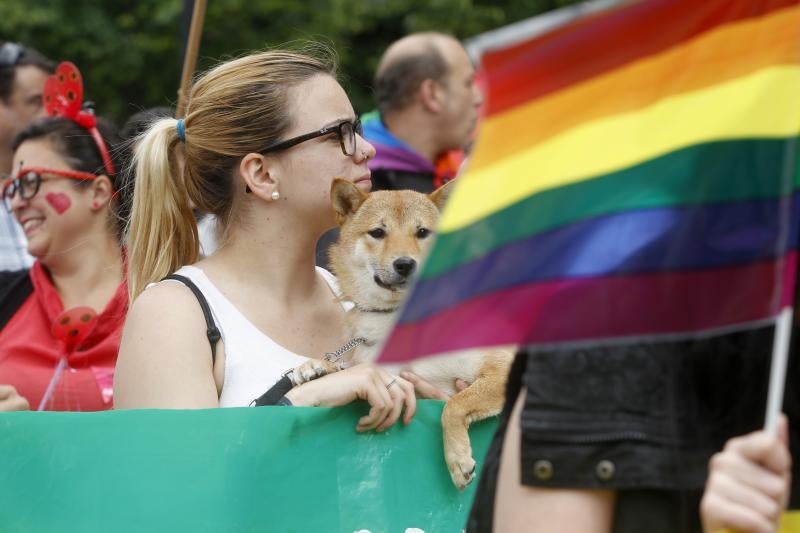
(275, 195)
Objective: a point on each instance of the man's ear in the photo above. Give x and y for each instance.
(439, 196)
(431, 94)
(259, 177)
(346, 198)
(102, 192)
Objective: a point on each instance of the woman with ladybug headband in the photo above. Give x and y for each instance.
(61, 321)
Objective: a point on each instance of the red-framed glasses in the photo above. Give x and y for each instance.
(29, 179)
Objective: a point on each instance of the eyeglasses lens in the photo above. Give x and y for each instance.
(27, 185)
(348, 132)
(348, 138)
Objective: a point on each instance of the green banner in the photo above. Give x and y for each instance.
(274, 469)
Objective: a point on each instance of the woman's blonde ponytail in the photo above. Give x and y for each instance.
(162, 233)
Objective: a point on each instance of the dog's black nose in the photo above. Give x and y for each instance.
(404, 266)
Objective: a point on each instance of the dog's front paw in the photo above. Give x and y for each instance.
(461, 465)
(311, 370)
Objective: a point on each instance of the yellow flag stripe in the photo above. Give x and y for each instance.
(764, 104)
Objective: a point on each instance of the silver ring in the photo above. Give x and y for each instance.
(390, 383)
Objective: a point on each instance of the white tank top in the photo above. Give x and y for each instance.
(253, 361)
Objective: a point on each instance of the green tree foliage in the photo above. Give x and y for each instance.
(131, 51)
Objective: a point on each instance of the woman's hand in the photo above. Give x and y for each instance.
(430, 391)
(385, 393)
(10, 400)
(748, 483)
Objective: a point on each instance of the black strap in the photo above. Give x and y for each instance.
(15, 288)
(275, 393)
(212, 332)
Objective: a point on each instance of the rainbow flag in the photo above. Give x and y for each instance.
(635, 176)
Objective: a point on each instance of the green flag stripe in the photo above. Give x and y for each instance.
(702, 174)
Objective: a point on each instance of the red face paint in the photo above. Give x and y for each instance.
(59, 201)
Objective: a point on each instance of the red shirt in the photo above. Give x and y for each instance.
(30, 353)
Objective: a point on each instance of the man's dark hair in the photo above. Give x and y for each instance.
(13, 55)
(396, 84)
(141, 121)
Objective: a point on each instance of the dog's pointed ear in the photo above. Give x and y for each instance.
(439, 196)
(346, 198)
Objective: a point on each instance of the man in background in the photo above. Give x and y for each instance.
(428, 105)
(427, 109)
(23, 72)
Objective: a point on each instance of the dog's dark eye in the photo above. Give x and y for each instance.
(377, 233)
(423, 232)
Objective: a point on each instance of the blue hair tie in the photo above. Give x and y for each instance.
(181, 127)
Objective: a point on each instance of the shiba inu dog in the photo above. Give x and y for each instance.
(383, 237)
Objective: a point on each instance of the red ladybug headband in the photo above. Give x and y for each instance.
(63, 97)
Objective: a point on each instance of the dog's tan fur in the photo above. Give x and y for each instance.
(366, 266)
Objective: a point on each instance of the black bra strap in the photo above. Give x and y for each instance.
(212, 332)
(275, 393)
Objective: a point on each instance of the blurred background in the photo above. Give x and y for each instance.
(131, 51)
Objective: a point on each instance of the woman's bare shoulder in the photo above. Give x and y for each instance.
(164, 356)
(169, 307)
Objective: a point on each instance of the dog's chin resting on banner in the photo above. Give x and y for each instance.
(383, 236)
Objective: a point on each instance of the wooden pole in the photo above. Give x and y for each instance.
(190, 59)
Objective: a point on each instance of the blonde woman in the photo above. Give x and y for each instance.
(263, 138)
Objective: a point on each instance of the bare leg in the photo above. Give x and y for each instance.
(522, 508)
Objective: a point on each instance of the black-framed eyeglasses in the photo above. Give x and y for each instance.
(345, 131)
(29, 180)
(10, 53)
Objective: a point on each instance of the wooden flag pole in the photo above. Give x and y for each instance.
(190, 58)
